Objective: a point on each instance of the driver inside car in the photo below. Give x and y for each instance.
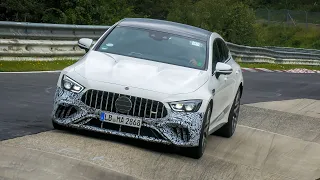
(198, 62)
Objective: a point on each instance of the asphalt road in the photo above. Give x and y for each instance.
(26, 99)
(261, 87)
(278, 137)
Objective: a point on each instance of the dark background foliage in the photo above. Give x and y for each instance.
(235, 20)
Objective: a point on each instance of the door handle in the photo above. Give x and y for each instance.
(226, 78)
(213, 91)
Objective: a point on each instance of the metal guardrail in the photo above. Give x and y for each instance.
(296, 50)
(25, 30)
(247, 50)
(51, 41)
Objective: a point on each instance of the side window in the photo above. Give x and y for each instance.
(221, 50)
(216, 56)
(224, 51)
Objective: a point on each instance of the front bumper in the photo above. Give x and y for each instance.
(177, 128)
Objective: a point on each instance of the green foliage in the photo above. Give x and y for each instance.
(21, 10)
(234, 22)
(305, 5)
(158, 9)
(288, 36)
(54, 15)
(66, 11)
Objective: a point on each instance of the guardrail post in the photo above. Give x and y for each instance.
(26, 29)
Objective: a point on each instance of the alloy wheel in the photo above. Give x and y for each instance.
(235, 115)
(206, 129)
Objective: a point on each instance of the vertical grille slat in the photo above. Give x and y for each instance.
(86, 97)
(112, 102)
(145, 109)
(96, 100)
(106, 107)
(151, 109)
(91, 97)
(162, 110)
(141, 107)
(134, 106)
(131, 109)
(101, 100)
(157, 109)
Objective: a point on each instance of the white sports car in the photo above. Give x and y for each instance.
(152, 80)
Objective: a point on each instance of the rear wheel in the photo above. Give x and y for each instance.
(229, 128)
(197, 152)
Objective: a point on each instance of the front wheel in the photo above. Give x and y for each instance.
(197, 152)
(229, 128)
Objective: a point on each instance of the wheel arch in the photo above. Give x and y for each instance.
(211, 104)
(241, 89)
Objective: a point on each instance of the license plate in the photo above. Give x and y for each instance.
(121, 120)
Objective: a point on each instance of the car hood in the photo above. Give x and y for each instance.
(139, 73)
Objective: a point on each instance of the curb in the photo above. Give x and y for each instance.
(296, 71)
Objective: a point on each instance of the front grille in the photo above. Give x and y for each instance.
(140, 107)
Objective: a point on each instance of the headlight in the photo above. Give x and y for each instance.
(187, 106)
(71, 85)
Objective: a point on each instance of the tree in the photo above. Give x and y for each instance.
(158, 9)
(53, 15)
(21, 10)
(234, 22)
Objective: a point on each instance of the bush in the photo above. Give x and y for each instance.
(286, 36)
(234, 22)
(54, 15)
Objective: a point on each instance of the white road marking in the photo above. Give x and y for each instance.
(264, 69)
(250, 69)
(271, 132)
(100, 158)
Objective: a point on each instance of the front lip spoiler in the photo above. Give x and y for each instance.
(122, 134)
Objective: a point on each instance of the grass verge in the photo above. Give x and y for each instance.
(277, 66)
(16, 66)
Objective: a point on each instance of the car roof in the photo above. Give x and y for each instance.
(167, 26)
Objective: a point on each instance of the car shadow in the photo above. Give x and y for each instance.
(155, 147)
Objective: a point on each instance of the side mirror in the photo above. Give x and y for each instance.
(85, 43)
(222, 68)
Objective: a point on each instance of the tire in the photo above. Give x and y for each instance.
(197, 152)
(57, 126)
(229, 128)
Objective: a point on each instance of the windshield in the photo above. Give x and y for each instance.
(156, 46)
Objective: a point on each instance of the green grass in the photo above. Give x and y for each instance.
(15, 66)
(286, 36)
(277, 66)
